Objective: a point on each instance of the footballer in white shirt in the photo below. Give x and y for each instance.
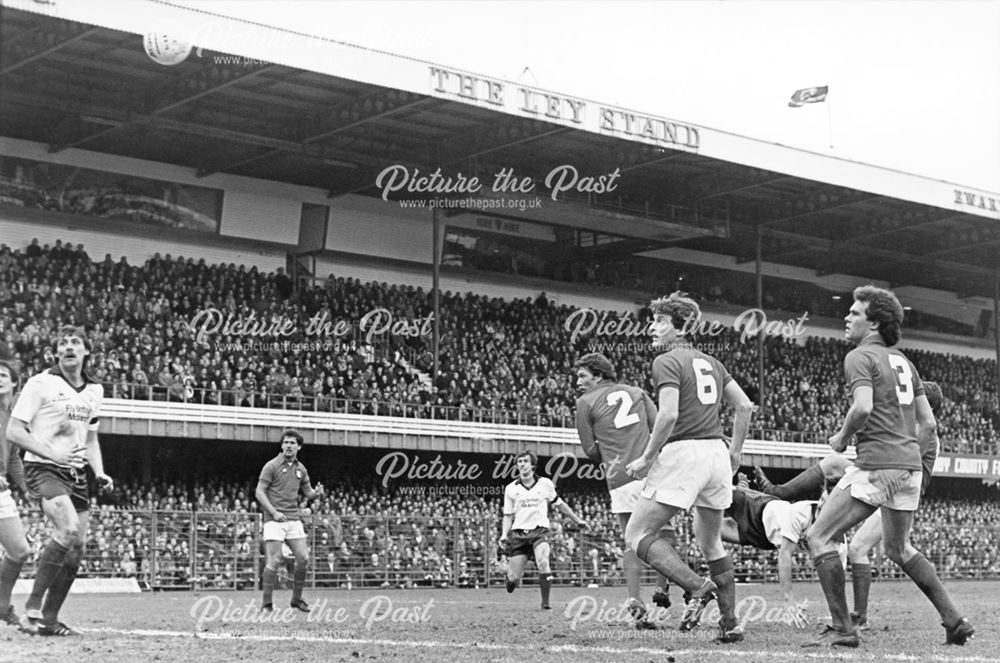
(55, 421)
(526, 503)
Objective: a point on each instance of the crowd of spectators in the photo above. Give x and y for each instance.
(507, 361)
(208, 536)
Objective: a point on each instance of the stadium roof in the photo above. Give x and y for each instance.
(310, 111)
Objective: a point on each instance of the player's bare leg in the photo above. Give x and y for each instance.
(515, 571)
(807, 483)
(270, 575)
(896, 530)
(859, 552)
(839, 514)
(17, 551)
(542, 550)
(300, 550)
(64, 548)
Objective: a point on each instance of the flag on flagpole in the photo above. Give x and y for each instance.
(809, 95)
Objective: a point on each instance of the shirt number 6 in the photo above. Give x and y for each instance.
(708, 393)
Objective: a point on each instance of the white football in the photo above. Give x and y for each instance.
(167, 49)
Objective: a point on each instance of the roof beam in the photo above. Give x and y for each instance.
(17, 54)
(209, 79)
(747, 187)
(115, 118)
(834, 247)
(881, 233)
(493, 137)
(821, 209)
(346, 116)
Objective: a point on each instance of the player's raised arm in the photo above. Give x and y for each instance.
(650, 410)
(743, 407)
(666, 419)
(585, 429)
(861, 408)
(926, 427)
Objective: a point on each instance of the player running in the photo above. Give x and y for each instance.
(281, 481)
(689, 464)
(893, 421)
(525, 530)
(613, 421)
(55, 420)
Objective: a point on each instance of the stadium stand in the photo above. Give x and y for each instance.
(500, 359)
(497, 356)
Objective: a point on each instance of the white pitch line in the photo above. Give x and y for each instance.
(556, 649)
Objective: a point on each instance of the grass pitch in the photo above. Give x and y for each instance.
(455, 625)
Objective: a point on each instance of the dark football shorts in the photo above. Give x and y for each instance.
(48, 481)
(523, 541)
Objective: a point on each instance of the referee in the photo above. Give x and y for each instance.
(281, 481)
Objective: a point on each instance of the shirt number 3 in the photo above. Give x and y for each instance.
(904, 379)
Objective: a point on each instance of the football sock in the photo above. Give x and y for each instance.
(59, 588)
(544, 585)
(861, 577)
(669, 535)
(633, 573)
(298, 580)
(831, 578)
(270, 576)
(50, 564)
(804, 486)
(721, 571)
(923, 574)
(661, 556)
(10, 569)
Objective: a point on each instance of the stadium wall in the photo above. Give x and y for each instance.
(100, 237)
(252, 208)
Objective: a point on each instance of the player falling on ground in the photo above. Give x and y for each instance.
(12, 538)
(613, 421)
(768, 523)
(525, 530)
(869, 535)
(281, 481)
(688, 463)
(58, 411)
(893, 422)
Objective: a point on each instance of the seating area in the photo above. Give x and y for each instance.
(501, 361)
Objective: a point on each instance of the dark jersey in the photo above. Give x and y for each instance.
(282, 482)
(614, 421)
(699, 380)
(889, 437)
(10, 460)
(747, 510)
(927, 459)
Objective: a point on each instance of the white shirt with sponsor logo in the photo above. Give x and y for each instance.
(529, 506)
(58, 412)
(786, 520)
